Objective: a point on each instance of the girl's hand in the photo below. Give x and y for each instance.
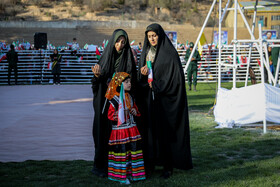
(96, 70)
(144, 70)
(115, 116)
(133, 111)
(150, 84)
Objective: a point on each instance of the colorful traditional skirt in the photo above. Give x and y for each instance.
(125, 154)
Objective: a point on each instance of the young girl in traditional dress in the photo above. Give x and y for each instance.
(125, 159)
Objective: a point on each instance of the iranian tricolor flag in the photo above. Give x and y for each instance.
(98, 55)
(132, 43)
(121, 115)
(106, 44)
(150, 75)
(80, 58)
(259, 62)
(50, 65)
(103, 44)
(3, 56)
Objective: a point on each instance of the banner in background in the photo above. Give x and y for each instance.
(224, 37)
(172, 35)
(267, 33)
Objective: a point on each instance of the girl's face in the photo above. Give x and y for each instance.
(55, 51)
(153, 38)
(119, 45)
(127, 84)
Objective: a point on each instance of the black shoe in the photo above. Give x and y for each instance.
(99, 172)
(166, 174)
(149, 173)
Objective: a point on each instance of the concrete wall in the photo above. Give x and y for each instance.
(95, 32)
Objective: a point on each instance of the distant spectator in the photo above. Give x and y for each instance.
(269, 49)
(274, 57)
(56, 70)
(192, 69)
(270, 64)
(140, 46)
(75, 47)
(12, 58)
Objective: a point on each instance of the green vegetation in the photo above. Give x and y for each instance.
(221, 157)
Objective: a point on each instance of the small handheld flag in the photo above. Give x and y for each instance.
(121, 115)
(103, 44)
(3, 56)
(98, 55)
(150, 75)
(106, 44)
(50, 65)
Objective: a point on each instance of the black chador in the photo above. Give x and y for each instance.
(110, 62)
(164, 124)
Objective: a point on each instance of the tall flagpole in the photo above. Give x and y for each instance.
(220, 44)
(234, 44)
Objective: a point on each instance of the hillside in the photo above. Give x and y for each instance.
(41, 12)
(184, 11)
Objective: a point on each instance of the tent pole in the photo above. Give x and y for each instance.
(198, 38)
(277, 72)
(250, 50)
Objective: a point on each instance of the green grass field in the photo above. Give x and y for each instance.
(221, 157)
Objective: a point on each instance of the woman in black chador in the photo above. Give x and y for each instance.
(163, 104)
(116, 57)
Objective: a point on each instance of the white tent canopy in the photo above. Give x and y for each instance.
(249, 104)
(246, 105)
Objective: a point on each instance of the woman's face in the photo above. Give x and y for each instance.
(153, 38)
(55, 51)
(119, 45)
(127, 84)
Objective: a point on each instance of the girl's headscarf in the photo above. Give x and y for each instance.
(115, 83)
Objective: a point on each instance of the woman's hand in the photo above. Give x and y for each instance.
(96, 70)
(133, 111)
(150, 84)
(144, 70)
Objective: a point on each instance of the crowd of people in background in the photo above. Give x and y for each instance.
(195, 68)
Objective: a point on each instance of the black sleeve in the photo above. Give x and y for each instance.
(16, 57)
(8, 56)
(94, 84)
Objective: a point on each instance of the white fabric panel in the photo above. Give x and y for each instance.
(272, 95)
(247, 105)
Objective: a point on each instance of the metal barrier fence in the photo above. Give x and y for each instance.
(76, 68)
